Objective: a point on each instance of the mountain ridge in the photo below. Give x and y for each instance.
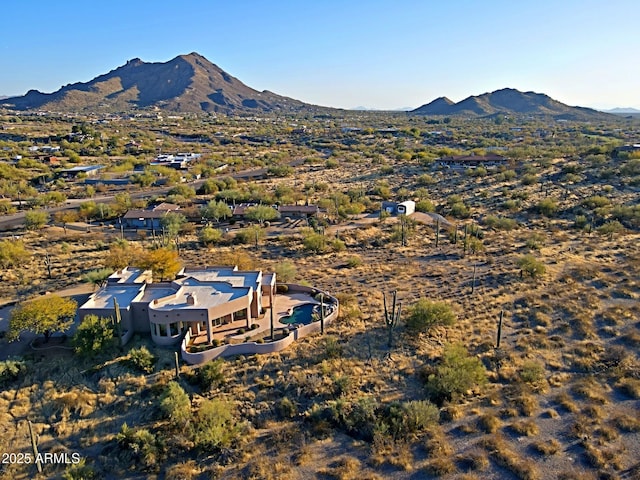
(186, 83)
(508, 101)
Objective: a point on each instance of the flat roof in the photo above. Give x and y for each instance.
(206, 295)
(236, 278)
(123, 293)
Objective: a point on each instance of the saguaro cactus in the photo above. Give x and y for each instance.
(391, 317)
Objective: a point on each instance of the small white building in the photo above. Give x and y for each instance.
(406, 208)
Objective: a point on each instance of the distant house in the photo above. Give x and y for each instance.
(408, 207)
(201, 300)
(87, 170)
(626, 149)
(150, 219)
(471, 161)
(299, 211)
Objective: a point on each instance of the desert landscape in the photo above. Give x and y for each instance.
(492, 333)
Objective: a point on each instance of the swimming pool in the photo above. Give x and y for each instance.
(301, 314)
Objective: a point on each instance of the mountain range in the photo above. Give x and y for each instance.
(188, 83)
(507, 101)
(191, 83)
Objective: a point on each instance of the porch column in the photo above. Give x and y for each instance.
(209, 339)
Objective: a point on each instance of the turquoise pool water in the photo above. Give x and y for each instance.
(301, 314)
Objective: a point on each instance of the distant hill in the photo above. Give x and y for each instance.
(188, 83)
(507, 101)
(622, 110)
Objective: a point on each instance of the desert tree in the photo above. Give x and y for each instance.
(98, 277)
(35, 219)
(163, 262)
(261, 213)
(43, 315)
(215, 210)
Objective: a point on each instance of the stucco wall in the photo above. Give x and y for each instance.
(251, 348)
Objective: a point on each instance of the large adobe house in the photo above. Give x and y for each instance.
(199, 299)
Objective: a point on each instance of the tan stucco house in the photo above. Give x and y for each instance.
(200, 299)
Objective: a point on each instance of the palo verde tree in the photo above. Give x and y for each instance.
(261, 213)
(216, 210)
(43, 315)
(163, 262)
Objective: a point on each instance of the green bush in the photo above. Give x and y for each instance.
(456, 373)
(354, 261)
(424, 314)
(142, 359)
(215, 426)
(548, 207)
(94, 335)
(531, 372)
(175, 405)
(141, 445)
(531, 266)
(210, 375)
(315, 242)
(11, 369)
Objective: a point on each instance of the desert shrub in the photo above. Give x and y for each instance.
(596, 201)
(546, 447)
(286, 408)
(354, 261)
(409, 418)
(460, 210)
(424, 314)
(209, 235)
(215, 426)
(182, 471)
(440, 466)
(315, 242)
(13, 253)
(94, 335)
(611, 228)
(425, 206)
(531, 266)
(500, 223)
(627, 423)
(80, 471)
(338, 245)
(535, 241)
(210, 375)
(489, 423)
(580, 222)
(332, 347)
(11, 369)
(142, 359)
(525, 427)
(282, 288)
(285, 272)
(531, 371)
(548, 207)
(175, 405)
(529, 179)
(141, 445)
(457, 373)
(630, 387)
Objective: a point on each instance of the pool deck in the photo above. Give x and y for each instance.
(283, 305)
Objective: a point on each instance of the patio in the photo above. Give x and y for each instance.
(228, 333)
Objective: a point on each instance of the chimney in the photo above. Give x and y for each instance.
(191, 299)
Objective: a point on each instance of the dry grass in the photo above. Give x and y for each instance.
(546, 447)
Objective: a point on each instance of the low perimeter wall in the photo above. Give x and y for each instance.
(251, 348)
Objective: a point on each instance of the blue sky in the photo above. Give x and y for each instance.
(380, 54)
